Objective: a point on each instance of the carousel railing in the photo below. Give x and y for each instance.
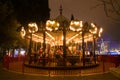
(54, 66)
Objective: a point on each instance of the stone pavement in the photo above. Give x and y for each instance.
(115, 71)
(6, 75)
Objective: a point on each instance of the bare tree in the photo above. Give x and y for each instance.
(111, 8)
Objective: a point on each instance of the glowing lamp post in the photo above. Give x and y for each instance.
(32, 28)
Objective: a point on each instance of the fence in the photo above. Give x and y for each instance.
(18, 65)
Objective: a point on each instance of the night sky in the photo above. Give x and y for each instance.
(83, 10)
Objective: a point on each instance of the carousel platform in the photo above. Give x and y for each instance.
(55, 66)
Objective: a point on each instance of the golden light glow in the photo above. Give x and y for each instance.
(100, 31)
(37, 38)
(32, 27)
(62, 38)
(52, 25)
(94, 29)
(50, 36)
(72, 38)
(56, 38)
(22, 32)
(86, 38)
(76, 25)
(93, 25)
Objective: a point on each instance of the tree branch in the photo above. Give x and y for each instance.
(111, 9)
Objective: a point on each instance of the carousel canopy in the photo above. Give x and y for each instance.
(54, 36)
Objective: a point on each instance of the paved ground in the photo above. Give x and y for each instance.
(6, 75)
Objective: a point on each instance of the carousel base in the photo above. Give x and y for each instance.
(61, 67)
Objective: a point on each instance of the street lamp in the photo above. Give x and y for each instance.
(32, 28)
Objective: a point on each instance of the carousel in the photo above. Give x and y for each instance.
(62, 42)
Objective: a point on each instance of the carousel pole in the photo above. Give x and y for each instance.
(44, 45)
(83, 48)
(64, 44)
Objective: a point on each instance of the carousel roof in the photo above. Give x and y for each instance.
(63, 21)
(62, 18)
(56, 37)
